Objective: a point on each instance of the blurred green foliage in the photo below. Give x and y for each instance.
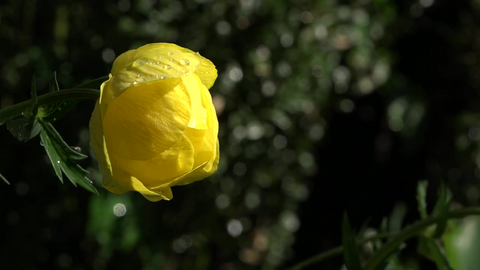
(284, 67)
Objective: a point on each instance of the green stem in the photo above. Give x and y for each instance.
(337, 251)
(24, 107)
(392, 244)
(412, 231)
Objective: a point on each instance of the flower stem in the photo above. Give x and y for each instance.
(392, 244)
(24, 107)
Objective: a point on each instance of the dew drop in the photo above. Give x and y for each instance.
(162, 77)
(167, 67)
(172, 60)
(135, 83)
(139, 62)
(139, 75)
(58, 161)
(170, 53)
(184, 62)
(143, 80)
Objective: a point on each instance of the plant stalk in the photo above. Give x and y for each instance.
(24, 108)
(392, 244)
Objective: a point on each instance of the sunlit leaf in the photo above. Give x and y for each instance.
(52, 154)
(462, 243)
(64, 158)
(59, 142)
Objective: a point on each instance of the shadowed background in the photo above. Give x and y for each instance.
(324, 107)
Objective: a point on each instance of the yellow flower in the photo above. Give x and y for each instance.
(154, 125)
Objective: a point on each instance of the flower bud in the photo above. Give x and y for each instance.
(154, 125)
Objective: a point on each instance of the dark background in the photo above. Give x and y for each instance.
(325, 107)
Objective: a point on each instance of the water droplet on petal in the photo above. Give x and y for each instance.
(139, 62)
(162, 77)
(135, 83)
(167, 67)
(142, 80)
(184, 62)
(170, 53)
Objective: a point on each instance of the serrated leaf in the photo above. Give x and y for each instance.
(54, 157)
(64, 158)
(57, 140)
(441, 210)
(421, 198)
(349, 242)
(94, 84)
(24, 128)
(4, 179)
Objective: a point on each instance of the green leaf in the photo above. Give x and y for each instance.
(4, 179)
(53, 112)
(27, 127)
(462, 243)
(64, 158)
(421, 198)
(431, 249)
(59, 142)
(54, 157)
(441, 210)
(24, 128)
(349, 242)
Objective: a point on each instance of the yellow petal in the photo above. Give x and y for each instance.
(198, 118)
(147, 119)
(159, 60)
(171, 163)
(97, 142)
(198, 173)
(123, 182)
